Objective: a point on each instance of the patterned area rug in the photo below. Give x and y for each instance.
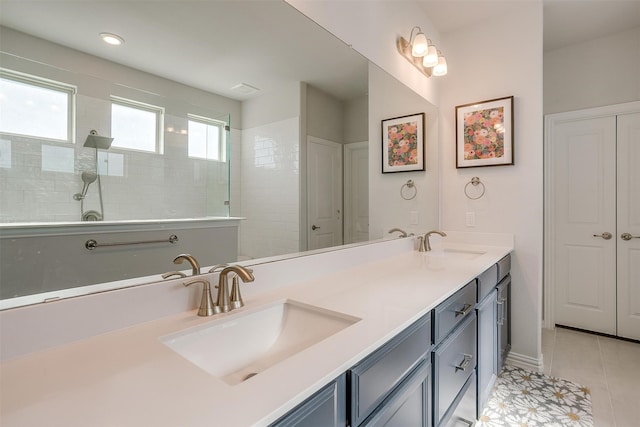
(531, 399)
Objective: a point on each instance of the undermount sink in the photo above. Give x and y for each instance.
(456, 254)
(463, 253)
(240, 346)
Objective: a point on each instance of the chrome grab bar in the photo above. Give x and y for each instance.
(91, 244)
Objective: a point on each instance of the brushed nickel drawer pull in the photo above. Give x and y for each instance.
(465, 310)
(465, 363)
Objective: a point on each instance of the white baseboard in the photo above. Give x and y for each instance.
(525, 362)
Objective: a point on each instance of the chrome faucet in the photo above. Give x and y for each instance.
(195, 267)
(207, 308)
(224, 303)
(401, 231)
(425, 245)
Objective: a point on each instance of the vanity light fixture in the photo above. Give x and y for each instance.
(422, 53)
(441, 68)
(112, 39)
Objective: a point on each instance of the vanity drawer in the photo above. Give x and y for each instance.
(487, 281)
(504, 267)
(379, 374)
(453, 311)
(453, 362)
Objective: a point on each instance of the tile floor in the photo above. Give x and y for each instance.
(609, 367)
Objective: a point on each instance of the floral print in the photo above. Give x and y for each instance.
(484, 134)
(403, 144)
(530, 399)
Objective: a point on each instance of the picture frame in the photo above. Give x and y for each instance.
(484, 133)
(403, 144)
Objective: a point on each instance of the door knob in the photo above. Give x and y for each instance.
(606, 235)
(314, 227)
(628, 236)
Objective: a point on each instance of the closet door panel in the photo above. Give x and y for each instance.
(583, 207)
(628, 238)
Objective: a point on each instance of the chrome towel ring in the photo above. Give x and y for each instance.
(475, 181)
(407, 194)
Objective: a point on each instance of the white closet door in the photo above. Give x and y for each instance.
(583, 206)
(629, 225)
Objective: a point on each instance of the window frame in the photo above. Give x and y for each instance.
(157, 110)
(223, 128)
(70, 90)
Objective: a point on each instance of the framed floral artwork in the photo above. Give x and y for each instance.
(484, 133)
(403, 144)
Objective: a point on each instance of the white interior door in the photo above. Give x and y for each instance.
(324, 193)
(629, 226)
(356, 192)
(583, 209)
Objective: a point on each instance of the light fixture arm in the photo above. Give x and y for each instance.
(411, 35)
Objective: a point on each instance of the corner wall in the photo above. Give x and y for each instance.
(509, 64)
(575, 78)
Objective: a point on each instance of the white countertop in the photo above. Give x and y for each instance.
(130, 378)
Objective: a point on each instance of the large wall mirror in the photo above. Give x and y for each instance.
(207, 111)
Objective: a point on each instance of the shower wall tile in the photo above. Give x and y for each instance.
(269, 189)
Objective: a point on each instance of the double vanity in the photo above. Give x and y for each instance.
(378, 334)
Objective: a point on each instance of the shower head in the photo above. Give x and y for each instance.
(95, 141)
(87, 178)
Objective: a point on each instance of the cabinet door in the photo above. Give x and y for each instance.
(487, 349)
(326, 408)
(503, 314)
(375, 377)
(410, 405)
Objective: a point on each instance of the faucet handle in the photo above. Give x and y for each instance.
(207, 307)
(173, 273)
(218, 267)
(235, 300)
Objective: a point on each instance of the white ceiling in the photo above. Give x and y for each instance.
(211, 45)
(214, 45)
(565, 21)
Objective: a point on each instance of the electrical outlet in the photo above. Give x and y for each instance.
(471, 219)
(413, 218)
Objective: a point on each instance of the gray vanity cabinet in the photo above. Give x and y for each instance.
(455, 356)
(326, 408)
(487, 370)
(503, 313)
(380, 379)
(409, 405)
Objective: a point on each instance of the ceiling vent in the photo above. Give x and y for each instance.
(244, 89)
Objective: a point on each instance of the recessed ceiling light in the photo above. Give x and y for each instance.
(112, 39)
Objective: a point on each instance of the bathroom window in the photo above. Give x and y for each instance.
(136, 126)
(207, 138)
(36, 107)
